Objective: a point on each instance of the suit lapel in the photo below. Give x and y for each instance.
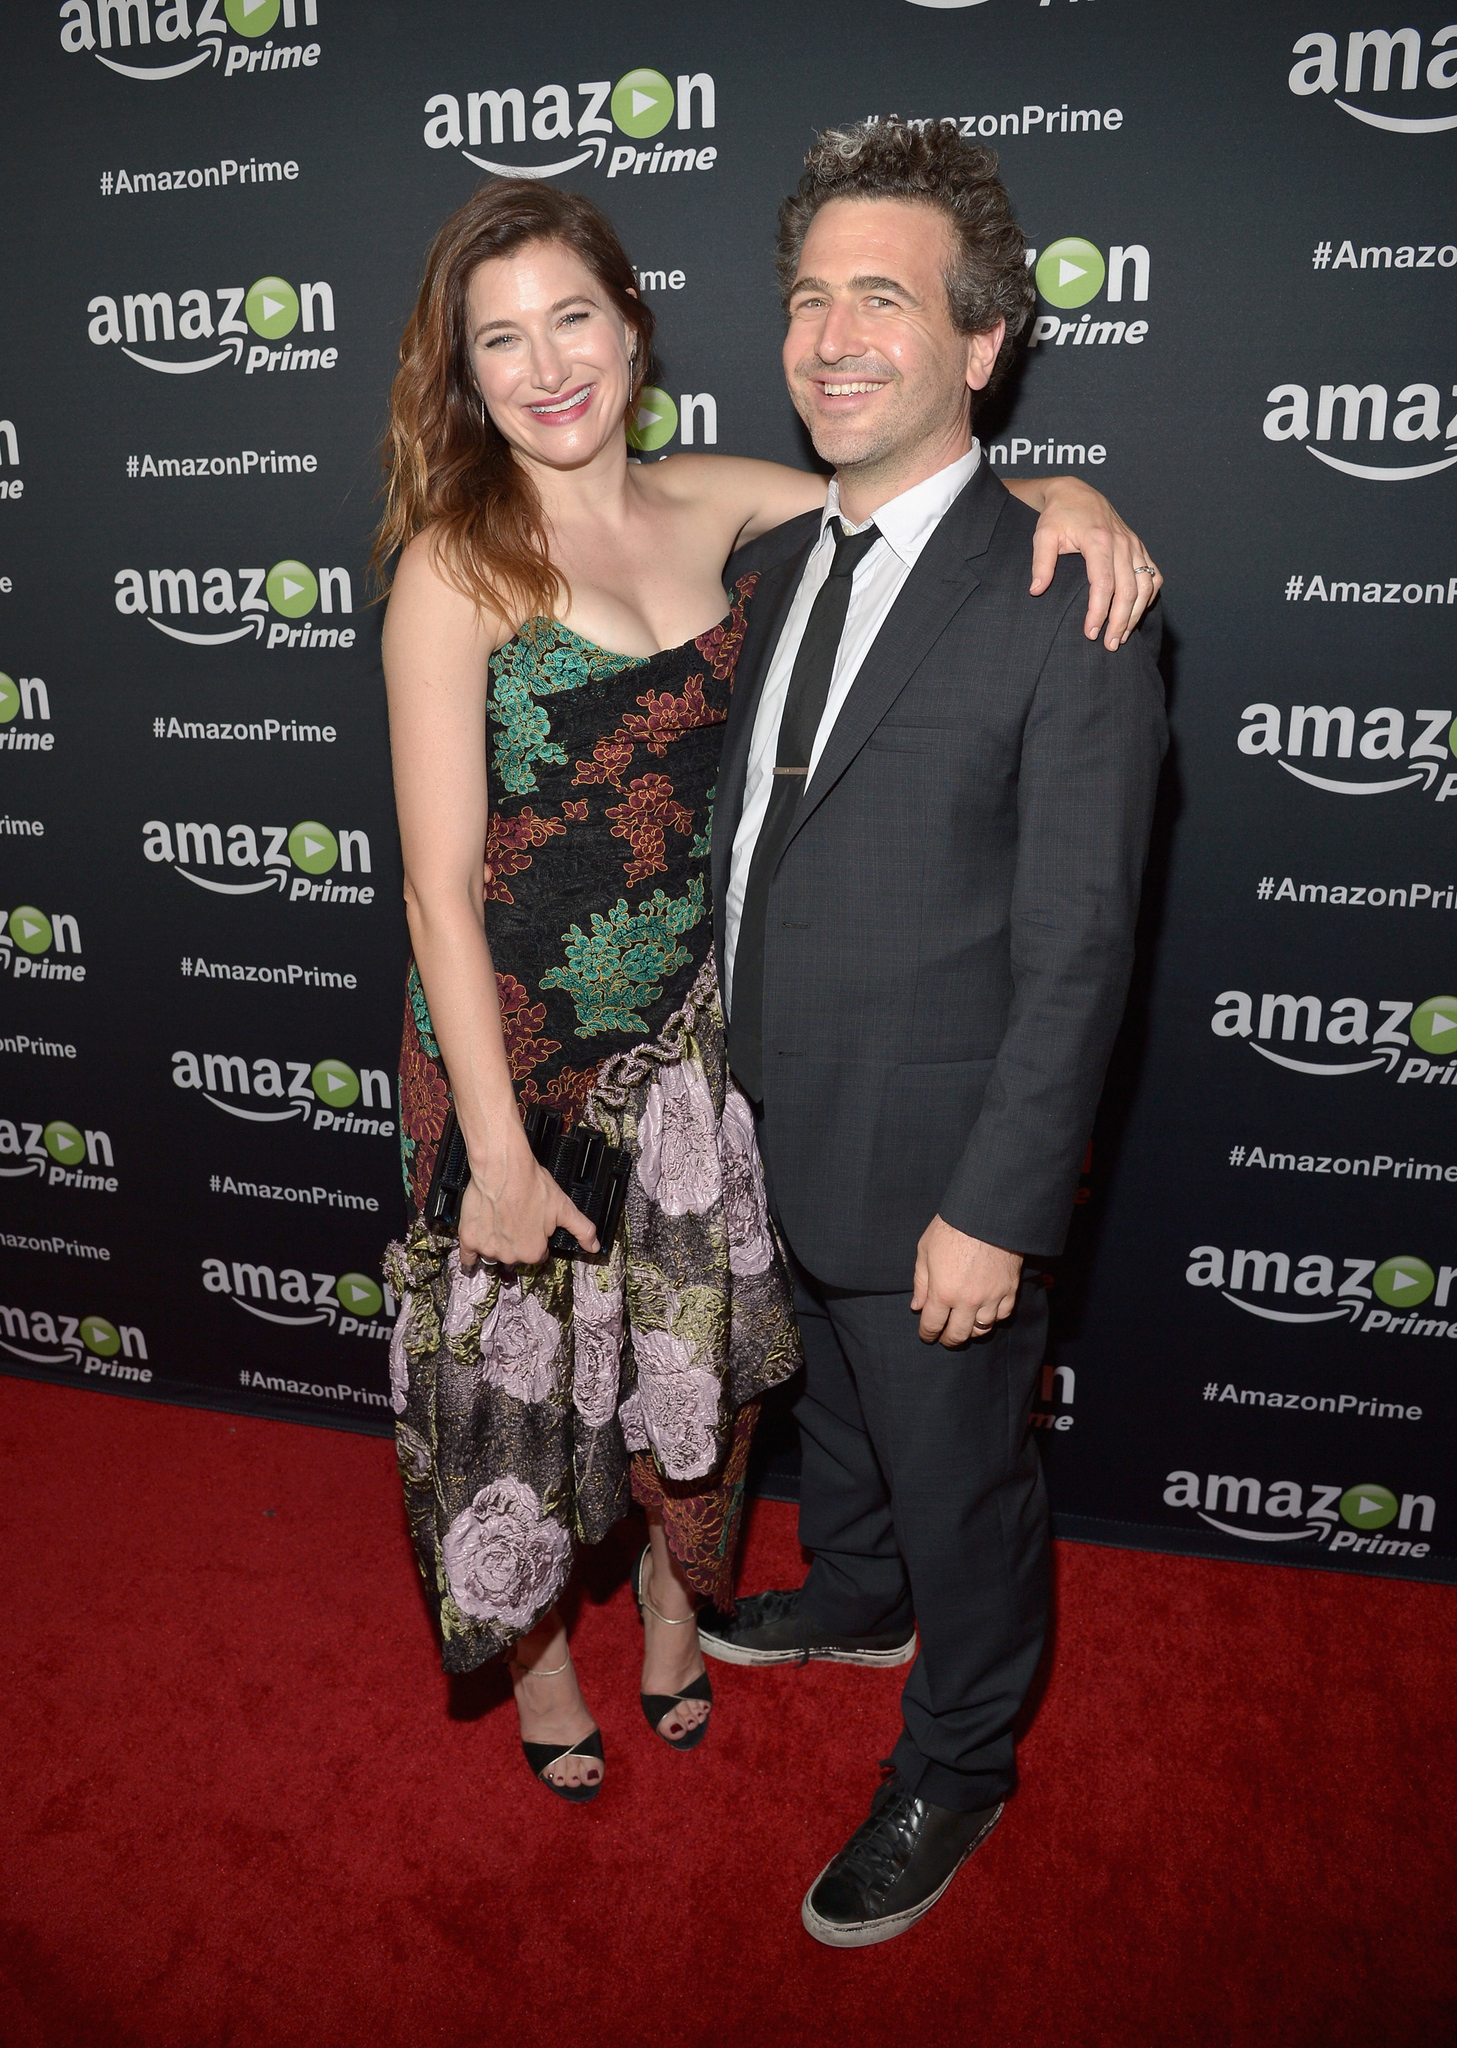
(767, 613)
(934, 592)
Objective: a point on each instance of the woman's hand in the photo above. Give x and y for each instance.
(510, 1208)
(1077, 520)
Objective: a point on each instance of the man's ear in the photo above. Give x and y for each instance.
(982, 351)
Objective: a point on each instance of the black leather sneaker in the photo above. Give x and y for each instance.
(768, 1630)
(893, 1868)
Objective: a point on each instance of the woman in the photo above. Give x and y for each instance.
(567, 602)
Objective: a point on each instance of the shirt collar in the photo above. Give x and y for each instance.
(907, 522)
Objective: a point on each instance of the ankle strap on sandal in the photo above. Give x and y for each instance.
(681, 1621)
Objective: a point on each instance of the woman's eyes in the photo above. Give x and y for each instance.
(567, 320)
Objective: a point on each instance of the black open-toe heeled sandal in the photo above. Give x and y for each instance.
(656, 1704)
(540, 1756)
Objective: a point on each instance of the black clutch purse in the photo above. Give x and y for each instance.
(588, 1170)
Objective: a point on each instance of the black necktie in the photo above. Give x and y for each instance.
(804, 707)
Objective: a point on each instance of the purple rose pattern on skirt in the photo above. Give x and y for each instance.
(505, 1561)
(520, 1341)
(399, 1361)
(532, 1398)
(598, 1307)
(676, 1134)
(746, 1212)
(468, 1291)
(680, 1401)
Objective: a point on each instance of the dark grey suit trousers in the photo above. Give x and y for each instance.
(922, 1498)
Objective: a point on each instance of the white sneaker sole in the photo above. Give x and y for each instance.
(871, 1660)
(865, 1933)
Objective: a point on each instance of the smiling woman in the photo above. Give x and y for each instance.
(448, 465)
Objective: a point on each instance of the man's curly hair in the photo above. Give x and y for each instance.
(988, 279)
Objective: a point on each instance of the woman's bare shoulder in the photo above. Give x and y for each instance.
(424, 594)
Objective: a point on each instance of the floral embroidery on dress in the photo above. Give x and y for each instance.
(613, 975)
(521, 1019)
(506, 841)
(649, 813)
(532, 1406)
(703, 842)
(544, 658)
(720, 647)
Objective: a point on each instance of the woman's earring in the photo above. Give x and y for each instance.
(483, 408)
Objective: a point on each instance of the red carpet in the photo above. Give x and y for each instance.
(243, 1807)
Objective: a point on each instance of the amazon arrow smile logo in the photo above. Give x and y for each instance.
(1316, 1289)
(290, 590)
(1302, 1035)
(271, 308)
(1363, 411)
(259, 852)
(1379, 60)
(120, 36)
(641, 104)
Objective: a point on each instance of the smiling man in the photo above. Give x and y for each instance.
(933, 811)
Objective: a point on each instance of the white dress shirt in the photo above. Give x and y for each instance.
(906, 524)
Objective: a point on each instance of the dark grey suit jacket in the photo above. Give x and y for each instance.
(950, 925)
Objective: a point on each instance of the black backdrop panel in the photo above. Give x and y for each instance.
(1244, 237)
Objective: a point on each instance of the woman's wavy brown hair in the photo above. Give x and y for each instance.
(444, 467)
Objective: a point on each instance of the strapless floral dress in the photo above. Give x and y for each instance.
(533, 1405)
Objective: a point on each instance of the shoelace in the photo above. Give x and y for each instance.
(771, 1606)
(871, 1855)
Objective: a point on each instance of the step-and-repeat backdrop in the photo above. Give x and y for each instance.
(1245, 246)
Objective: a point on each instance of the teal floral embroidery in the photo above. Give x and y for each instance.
(703, 841)
(541, 660)
(624, 963)
(421, 1013)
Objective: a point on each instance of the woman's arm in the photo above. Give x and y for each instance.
(1077, 520)
(436, 649)
(743, 498)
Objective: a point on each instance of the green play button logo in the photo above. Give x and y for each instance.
(1434, 1025)
(1070, 272)
(272, 306)
(358, 1293)
(9, 700)
(100, 1336)
(251, 17)
(292, 589)
(1404, 1283)
(30, 928)
(642, 101)
(1368, 1507)
(335, 1084)
(64, 1143)
(654, 420)
(313, 847)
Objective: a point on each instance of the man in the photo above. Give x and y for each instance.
(933, 813)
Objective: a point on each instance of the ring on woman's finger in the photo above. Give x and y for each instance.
(1144, 569)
